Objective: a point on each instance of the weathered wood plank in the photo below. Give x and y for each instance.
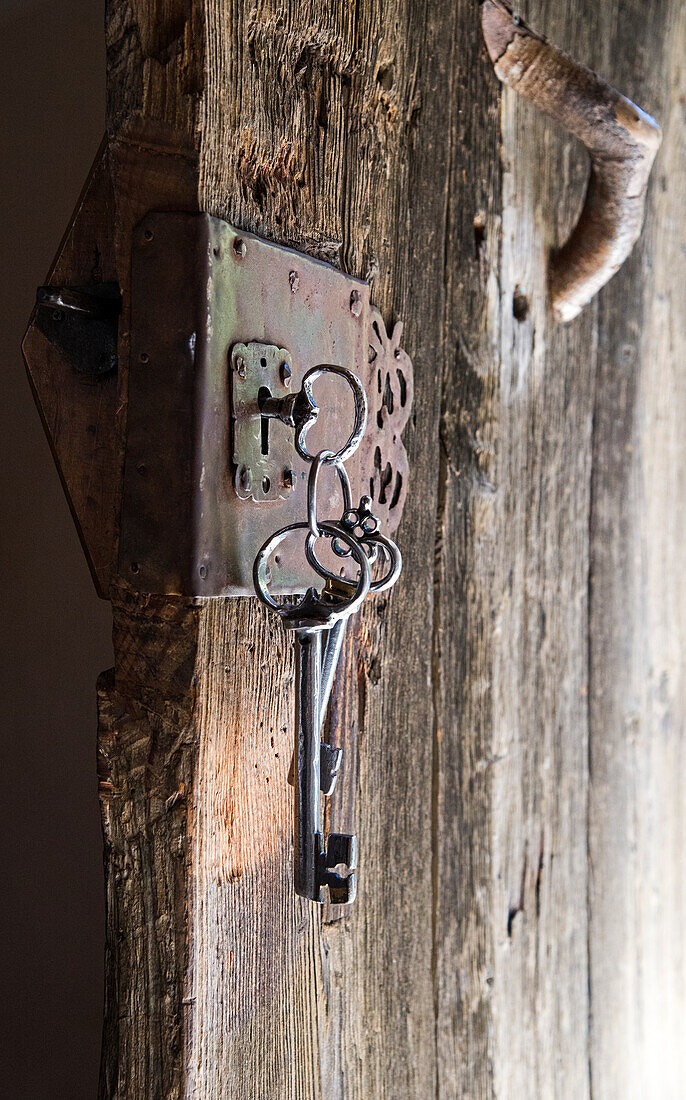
(375, 135)
(321, 163)
(511, 648)
(637, 761)
(146, 762)
(257, 1020)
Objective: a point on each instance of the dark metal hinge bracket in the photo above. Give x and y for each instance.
(82, 323)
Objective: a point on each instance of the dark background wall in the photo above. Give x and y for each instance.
(55, 633)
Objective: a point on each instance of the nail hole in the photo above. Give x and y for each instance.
(266, 483)
(239, 248)
(148, 234)
(203, 571)
(479, 233)
(216, 251)
(135, 567)
(144, 357)
(520, 304)
(385, 77)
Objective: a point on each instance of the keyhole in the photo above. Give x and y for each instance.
(263, 395)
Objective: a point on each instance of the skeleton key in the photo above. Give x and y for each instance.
(318, 622)
(364, 525)
(317, 865)
(331, 653)
(331, 644)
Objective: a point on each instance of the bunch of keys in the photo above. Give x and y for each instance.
(318, 621)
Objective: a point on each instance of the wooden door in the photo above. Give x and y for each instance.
(513, 712)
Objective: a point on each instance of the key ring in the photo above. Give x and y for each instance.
(360, 399)
(325, 458)
(377, 541)
(290, 611)
(318, 621)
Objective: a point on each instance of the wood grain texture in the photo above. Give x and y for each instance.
(375, 135)
(147, 750)
(637, 825)
(511, 646)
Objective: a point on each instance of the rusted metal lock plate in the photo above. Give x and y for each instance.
(206, 481)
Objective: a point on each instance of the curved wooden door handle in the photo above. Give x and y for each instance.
(621, 138)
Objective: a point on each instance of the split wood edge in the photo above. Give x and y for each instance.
(622, 141)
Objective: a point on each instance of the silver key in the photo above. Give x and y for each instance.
(331, 653)
(339, 588)
(330, 758)
(316, 865)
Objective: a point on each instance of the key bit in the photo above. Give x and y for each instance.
(337, 587)
(329, 766)
(341, 851)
